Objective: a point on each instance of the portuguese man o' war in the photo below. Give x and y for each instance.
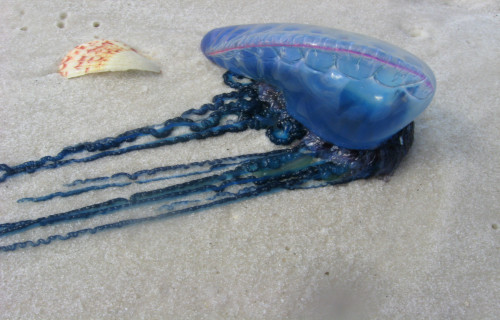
(343, 103)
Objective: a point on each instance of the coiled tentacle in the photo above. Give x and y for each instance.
(308, 165)
(229, 112)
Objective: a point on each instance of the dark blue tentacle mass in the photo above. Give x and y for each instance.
(305, 166)
(310, 163)
(209, 120)
(123, 179)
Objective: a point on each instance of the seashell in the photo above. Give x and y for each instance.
(349, 89)
(102, 56)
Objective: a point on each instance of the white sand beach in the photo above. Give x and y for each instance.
(422, 244)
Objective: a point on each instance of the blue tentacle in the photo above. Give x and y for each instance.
(207, 121)
(310, 164)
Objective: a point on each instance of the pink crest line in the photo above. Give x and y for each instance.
(312, 46)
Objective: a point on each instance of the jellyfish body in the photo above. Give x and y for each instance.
(349, 89)
(302, 82)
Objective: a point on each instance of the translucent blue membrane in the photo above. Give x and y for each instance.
(351, 90)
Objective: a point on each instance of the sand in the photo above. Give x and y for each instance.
(423, 244)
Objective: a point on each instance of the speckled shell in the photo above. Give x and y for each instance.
(349, 89)
(102, 56)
